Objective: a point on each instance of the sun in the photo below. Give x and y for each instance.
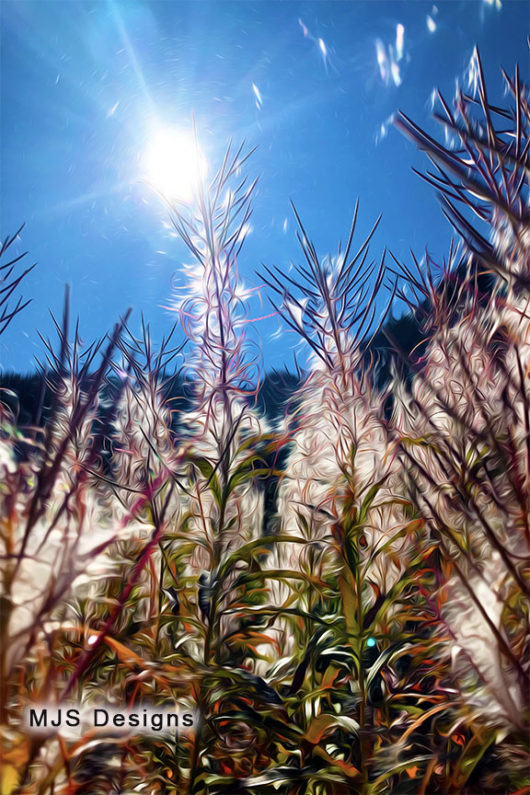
(174, 163)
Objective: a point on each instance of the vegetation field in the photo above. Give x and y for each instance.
(322, 578)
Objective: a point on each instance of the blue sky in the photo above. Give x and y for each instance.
(83, 83)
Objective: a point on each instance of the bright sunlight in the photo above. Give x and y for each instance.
(174, 164)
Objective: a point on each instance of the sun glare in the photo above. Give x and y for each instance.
(174, 164)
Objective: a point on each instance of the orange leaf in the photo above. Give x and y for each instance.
(126, 655)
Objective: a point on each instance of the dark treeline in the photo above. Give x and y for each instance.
(29, 398)
(396, 347)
